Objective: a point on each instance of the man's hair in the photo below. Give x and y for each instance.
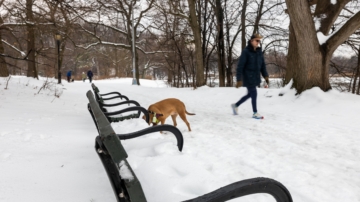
(256, 35)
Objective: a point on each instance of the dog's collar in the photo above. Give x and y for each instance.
(151, 112)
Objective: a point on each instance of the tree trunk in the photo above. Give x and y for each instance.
(357, 74)
(292, 55)
(229, 73)
(203, 34)
(170, 75)
(243, 25)
(4, 72)
(358, 70)
(310, 66)
(220, 42)
(31, 72)
(137, 68)
(200, 81)
(258, 17)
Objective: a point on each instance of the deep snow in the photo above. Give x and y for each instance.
(310, 143)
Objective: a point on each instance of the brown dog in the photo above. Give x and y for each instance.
(159, 111)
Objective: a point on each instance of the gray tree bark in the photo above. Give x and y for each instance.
(200, 81)
(220, 42)
(31, 71)
(4, 72)
(310, 60)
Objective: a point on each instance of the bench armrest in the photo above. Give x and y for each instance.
(120, 103)
(117, 96)
(158, 128)
(247, 187)
(111, 93)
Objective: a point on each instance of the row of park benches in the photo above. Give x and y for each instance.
(124, 182)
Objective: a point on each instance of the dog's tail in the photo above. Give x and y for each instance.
(189, 113)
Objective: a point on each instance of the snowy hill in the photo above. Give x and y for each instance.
(310, 143)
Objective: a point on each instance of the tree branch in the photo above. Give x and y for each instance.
(343, 33)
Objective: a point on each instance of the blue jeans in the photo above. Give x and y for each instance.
(252, 93)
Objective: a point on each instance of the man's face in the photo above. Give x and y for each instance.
(255, 42)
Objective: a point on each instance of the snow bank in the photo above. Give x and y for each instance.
(310, 143)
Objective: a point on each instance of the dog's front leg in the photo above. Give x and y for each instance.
(162, 123)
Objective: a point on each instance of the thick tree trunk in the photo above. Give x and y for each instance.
(308, 61)
(200, 81)
(310, 66)
(292, 55)
(31, 72)
(220, 42)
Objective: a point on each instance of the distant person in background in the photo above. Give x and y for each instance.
(251, 64)
(83, 76)
(90, 75)
(68, 75)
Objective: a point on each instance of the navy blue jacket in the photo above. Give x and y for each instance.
(68, 73)
(89, 74)
(250, 65)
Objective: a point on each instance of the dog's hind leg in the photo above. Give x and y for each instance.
(174, 119)
(183, 117)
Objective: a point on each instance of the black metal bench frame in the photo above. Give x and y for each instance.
(111, 115)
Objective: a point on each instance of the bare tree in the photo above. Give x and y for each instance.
(219, 13)
(308, 62)
(194, 24)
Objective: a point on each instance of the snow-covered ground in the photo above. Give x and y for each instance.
(310, 143)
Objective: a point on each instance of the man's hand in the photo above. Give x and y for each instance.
(238, 84)
(267, 82)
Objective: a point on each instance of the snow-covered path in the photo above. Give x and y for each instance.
(310, 143)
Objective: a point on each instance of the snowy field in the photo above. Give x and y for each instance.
(309, 143)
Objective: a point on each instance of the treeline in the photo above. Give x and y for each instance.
(188, 42)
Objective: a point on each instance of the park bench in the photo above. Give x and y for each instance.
(123, 180)
(117, 116)
(127, 187)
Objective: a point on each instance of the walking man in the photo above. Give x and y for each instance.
(90, 75)
(68, 75)
(250, 65)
